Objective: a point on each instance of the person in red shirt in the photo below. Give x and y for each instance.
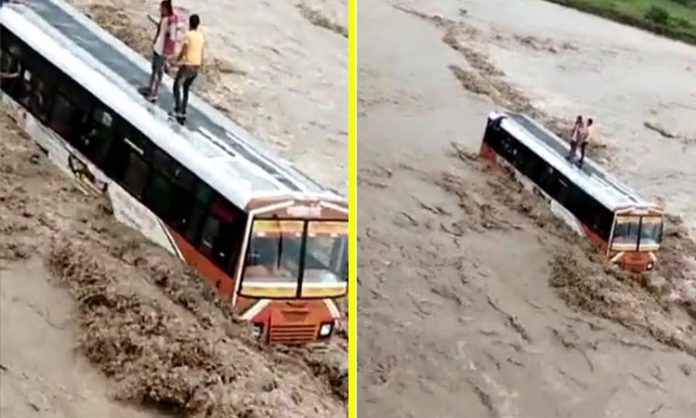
(163, 46)
(584, 140)
(575, 137)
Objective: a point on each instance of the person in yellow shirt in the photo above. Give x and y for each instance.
(190, 60)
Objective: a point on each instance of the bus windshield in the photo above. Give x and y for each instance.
(634, 231)
(283, 253)
(651, 231)
(325, 259)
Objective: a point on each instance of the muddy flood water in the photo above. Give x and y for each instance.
(474, 301)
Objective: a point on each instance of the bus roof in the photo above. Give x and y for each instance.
(212, 146)
(591, 178)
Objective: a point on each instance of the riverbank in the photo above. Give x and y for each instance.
(675, 19)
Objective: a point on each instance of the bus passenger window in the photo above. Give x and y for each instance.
(563, 193)
(38, 103)
(506, 147)
(11, 69)
(520, 158)
(158, 195)
(210, 233)
(97, 137)
(180, 206)
(191, 226)
(548, 181)
(180, 199)
(221, 234)
(65, 119)
(135, 175)
(25, 89)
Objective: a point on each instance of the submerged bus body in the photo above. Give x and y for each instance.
(272, 241)
(626, 227)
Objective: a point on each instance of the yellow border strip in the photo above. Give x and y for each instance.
(352, 213)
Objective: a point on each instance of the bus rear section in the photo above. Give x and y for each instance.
(636, 239)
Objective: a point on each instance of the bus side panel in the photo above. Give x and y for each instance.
(487, 152)
(205, 267)
(556, 208)
(131, 212)
(57, 150)
(89, 178)
(595, 238)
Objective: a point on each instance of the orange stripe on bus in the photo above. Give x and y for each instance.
(213, 274)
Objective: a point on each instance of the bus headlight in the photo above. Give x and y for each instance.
(649, 266)
(258, 330)
(325, 329)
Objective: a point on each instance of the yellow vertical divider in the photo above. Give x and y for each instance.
(352, 211)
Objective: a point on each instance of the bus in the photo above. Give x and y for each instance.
(626, 227)
(270, 239)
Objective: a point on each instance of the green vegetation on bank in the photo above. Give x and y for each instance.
(672, 18)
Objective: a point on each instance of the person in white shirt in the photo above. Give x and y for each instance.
(162, 48)
(584, 140)
(575, 137)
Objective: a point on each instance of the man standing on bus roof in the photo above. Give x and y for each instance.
(575, 135)
(162, 47)
(190, 60)
(584, 140)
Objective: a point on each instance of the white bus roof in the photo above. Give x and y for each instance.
(591, 178)
(212, 146)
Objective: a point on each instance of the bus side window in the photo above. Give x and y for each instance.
(72, 105)
(563, 193)
(191, 227)
(548, 181)
(11, 64)
(158, 194)
(167, 194)
(25, 87)
(221, 233)
(182, 202)
(210, 232)
(492, 134)
(39, 103)
(135, 173)
(39, 84)
(597, 221)
(65, 118)
(521, 157)
(599, 218)
(98, 135)
(507, 146)
(534, 168)
(128, 159)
